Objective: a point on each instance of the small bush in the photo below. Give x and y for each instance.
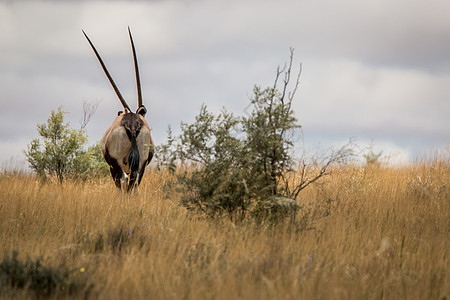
(116, 239)
(33, 276)
(59, 152)
(245, 164)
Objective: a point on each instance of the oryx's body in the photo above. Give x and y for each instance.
(127, 147)
(127, 144)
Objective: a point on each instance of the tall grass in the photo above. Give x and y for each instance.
(363, 233)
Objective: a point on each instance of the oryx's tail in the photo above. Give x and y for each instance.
(133, 160)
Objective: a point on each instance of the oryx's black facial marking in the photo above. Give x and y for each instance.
(132, 124)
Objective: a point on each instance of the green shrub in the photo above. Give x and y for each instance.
(231, 163)
(60, 152)
(245, 164)
(34, 276)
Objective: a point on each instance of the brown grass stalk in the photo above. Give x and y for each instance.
(362, 233)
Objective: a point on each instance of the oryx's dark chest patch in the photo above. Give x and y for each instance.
(132, 124)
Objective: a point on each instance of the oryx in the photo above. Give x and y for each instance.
(127, 144)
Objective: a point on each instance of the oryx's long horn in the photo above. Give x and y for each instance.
(136, 69)
(124, 103)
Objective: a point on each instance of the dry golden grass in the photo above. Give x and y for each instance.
(364, 233)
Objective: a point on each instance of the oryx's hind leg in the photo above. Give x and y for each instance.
(134, 162)
(125, 182)
(117, 175)
(132, 183)
(116, 170)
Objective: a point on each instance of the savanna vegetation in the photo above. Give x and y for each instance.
(228, 211)
(363, 233)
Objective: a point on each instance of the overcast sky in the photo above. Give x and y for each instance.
(372, 70)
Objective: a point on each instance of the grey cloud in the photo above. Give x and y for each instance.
(376, 70)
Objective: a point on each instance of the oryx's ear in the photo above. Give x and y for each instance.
(120, 112)
(141, 110)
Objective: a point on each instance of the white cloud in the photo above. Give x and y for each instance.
(355, 98)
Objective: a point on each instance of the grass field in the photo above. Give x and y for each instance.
(363, 233)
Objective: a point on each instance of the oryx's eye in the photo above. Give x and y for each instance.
(137, 132)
